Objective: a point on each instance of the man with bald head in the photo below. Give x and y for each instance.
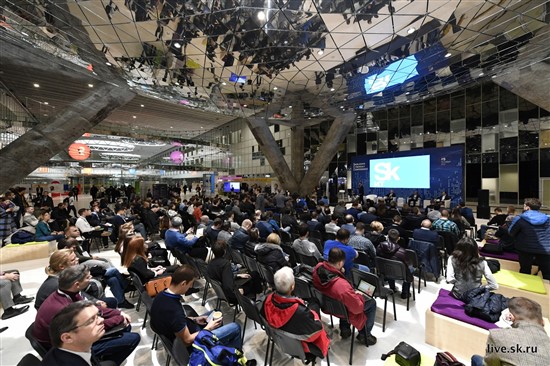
(241, 236)
(425, 233)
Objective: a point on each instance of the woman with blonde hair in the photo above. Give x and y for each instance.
(59, 260)
(376, 236)
(271, 254)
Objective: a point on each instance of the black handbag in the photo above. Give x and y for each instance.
(405, 355)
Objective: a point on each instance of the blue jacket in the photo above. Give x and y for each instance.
(532, 232)
(427, 254)
(177, 240)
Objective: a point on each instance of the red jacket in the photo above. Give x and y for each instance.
(291, 315)
(333, 283)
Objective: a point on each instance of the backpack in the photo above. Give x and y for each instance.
(208, 350)
(405, 355)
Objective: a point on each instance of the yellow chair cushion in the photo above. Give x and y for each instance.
(520, 281)
(424, 360)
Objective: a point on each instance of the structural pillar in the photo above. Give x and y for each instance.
(297, 152)
(264, 137)
(38, 145)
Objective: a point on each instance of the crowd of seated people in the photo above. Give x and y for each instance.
(268, 231)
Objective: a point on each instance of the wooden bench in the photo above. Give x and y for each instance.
(12, 253)
(461, 339)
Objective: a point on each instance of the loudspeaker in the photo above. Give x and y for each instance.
(483, 212)
(483, 197)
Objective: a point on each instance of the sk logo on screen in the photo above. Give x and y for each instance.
(386, 172)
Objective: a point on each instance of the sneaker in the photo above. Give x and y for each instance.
(126, 305)
(369, 340)
(11, 312)
(345, 333)
(19, 300)
(405, 295)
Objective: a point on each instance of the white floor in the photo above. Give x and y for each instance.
(409, 327)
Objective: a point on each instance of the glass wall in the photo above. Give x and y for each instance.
(506, 138)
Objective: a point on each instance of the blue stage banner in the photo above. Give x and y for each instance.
(429, 171)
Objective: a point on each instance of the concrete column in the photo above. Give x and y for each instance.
(264, 137)
(40, 144)
(297, 152)
(337, 133)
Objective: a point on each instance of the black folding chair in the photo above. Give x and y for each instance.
(389, 269)
(37, 346)
(218, 289)
(335, 308)
(307, 259)
(266, 273)
(291, 254)
(379, 290)
(174, 350)
(29, 360)
(250, 311)
(412, 259)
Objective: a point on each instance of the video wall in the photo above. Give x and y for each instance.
(428, 171)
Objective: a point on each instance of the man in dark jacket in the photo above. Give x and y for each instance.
(241, 236)
(72, 332)
(532, 232)
(290, 314)
(425, 233)
(329, 279)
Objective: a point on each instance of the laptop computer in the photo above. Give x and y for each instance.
(366, 288)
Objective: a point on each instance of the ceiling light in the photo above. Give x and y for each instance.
(134, 116)
(90, 85)
(411, 30)
(261, 15)
(481, 74)
(320, 52)
(177, 45)
(108, 63)
(171, 126)
(290, 106)
(141, 105)
(224, 83)
(448, 54)
(202, 127)
(46, 103)
(331, 89)
(274, 88)
(285, 42)
(36, 85)
(25, 34)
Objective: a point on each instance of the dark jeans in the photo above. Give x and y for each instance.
(49, 237)
(118, 348)
(477, 360)
(370, 312)
(526, 260)
(117, 283)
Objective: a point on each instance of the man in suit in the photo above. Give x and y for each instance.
(72, 332)
(368, 216)
(425, 233)
(413, 199)
(525, 343)
(118, 220)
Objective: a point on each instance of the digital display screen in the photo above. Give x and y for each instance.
(232, 187)
(402, 172)
(234, 78)
(395, 73)
(366, 288)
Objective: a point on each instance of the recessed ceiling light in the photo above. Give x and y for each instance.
(177, 45)
(202, 127)
(481, 74)
(448, 54)
(25, 34)
(261, 15)
(411, 30)
(320, 52)
(36, 85)
(285, 42)
(90, 85)
(141, 105)
(224, 83)
(46, 103)
(274, 88)
(134, 116)
(108, 63)
(289, 106)
(331, 89)
(171, 126)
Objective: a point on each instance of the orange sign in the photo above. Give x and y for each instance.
(79, 151)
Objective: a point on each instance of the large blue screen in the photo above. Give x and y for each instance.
(407, 172)
(430, 171)
(395, 73)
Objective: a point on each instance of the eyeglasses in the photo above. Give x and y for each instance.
(92, 320)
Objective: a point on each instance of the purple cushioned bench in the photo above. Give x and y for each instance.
(506, 255)
(447, 305)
